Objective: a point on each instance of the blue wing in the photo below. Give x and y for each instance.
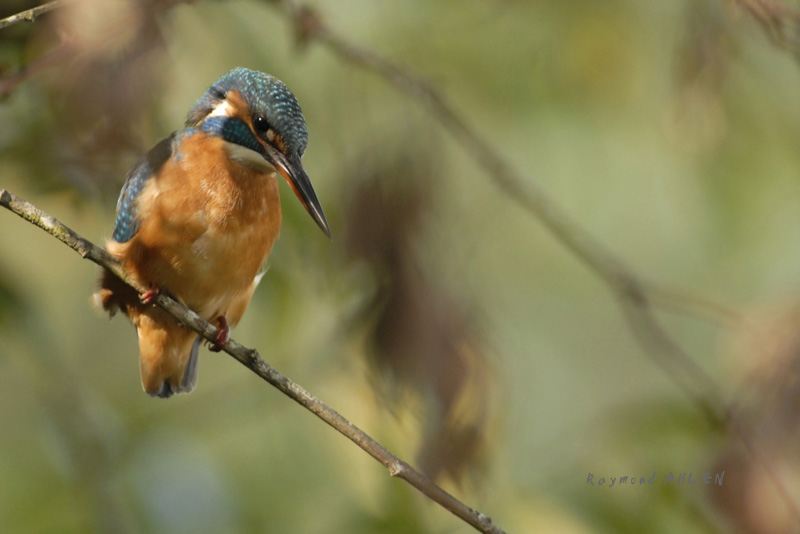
(147, 167)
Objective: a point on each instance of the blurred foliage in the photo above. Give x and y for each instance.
(669, 129)
(419, 336)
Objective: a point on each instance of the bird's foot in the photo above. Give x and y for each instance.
(223, 335)
(149, 296)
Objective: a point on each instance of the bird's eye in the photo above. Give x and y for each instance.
(260, 123)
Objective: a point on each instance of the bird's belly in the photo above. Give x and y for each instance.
(205, 244)
(223, 265)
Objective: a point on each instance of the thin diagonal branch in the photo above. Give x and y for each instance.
(31, 14)
(251, 359)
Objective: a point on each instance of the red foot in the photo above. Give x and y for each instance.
(223, 335)
(149, 296)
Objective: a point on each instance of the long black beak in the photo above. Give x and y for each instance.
(292, 169)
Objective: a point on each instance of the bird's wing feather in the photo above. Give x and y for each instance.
(146, 168)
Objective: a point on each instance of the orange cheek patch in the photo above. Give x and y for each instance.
(238, 108)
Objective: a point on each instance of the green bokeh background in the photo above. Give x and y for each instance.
(692, 179)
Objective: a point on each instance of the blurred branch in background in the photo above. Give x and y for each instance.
(780, 21)
(624, 283)
(251, 359)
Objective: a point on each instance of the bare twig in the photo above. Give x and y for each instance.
(31, 14)
(251, 359)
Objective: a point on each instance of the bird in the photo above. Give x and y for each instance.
(197, 218)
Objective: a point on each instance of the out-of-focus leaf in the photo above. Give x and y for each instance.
(419, 335)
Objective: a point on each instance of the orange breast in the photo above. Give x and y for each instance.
(208, 224)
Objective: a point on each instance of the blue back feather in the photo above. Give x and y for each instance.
(127, 222)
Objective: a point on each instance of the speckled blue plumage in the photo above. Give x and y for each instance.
(265, 95)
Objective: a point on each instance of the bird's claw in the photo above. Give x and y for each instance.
(223, 335)
(149, 296)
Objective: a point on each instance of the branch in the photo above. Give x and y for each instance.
(31, 14)
(251, 359)
(780, 22)
(631, 291)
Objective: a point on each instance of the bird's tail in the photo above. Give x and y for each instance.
(168, 356)
(189, 379)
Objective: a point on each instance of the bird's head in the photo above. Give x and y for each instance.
(263, 124)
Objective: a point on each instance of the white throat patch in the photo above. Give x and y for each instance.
(248, 157)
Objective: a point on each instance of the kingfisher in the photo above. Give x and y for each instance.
(198, 215)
